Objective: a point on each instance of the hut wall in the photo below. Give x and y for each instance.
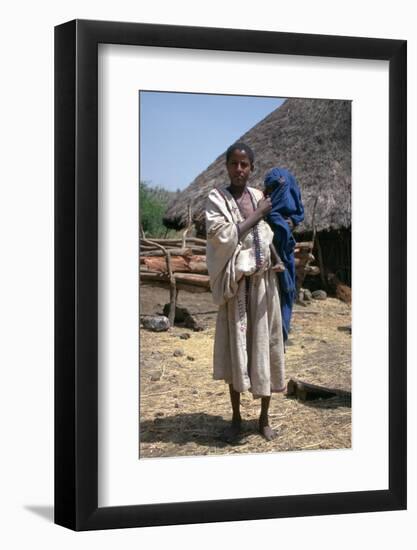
(336, 251)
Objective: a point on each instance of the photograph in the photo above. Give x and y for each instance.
(245, 274)
(220, 306)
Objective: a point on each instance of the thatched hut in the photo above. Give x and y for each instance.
(312, 139)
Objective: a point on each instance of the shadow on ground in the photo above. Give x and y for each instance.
(199, 428)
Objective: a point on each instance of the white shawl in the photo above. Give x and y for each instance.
(228, 258)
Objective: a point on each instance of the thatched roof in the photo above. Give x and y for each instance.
(309, 137)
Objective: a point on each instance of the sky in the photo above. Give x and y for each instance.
(182, 134)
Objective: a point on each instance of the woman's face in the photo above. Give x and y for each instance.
(239, 168)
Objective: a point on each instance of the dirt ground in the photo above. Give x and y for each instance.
(183, 411)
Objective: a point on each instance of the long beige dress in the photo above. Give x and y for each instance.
(248, 346)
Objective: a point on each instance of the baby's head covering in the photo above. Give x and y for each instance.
(273, 178)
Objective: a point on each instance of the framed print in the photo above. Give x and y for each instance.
(138, 446)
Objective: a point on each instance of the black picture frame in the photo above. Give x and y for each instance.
(76, 272)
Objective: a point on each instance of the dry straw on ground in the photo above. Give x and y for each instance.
(183, 411)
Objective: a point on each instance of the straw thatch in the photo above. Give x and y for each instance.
(309, 137)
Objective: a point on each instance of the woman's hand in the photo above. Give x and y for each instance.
(264, 206)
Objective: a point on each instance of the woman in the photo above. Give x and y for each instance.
(248, 347)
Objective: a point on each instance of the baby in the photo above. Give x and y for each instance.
(287, 211)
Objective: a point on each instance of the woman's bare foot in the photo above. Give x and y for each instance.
(265, 429)
(268, 433)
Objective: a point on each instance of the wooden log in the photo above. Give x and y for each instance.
(179, 286)
(304, 254)
(304, 245)
(188, 256)
(312, 269)
(300, 259)
(165, 242)
(198, 265)
(168, 242)
(306, 391)
(148, 246)
(197, 249)
(197, 240)
(303, 258)
(151, 276)
(195, 279)
(193, 264)
(188, 278)
(173, 251)
(177, 251)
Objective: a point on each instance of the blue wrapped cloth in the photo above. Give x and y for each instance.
(285, 195)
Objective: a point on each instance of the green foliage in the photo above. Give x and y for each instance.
(153, 202)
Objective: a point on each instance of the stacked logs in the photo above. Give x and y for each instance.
(185, 261)
(178, 263)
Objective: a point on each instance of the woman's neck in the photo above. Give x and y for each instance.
(237, 192)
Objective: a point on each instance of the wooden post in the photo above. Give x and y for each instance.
(321, 264)
(189, 224)
(172, 284)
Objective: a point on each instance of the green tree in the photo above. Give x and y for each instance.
(153, 202)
